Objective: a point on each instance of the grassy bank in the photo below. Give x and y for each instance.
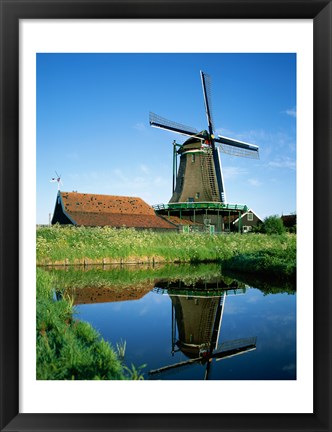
(277, 263)
(106, 245)
(68, 349)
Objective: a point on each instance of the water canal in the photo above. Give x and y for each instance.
(185, 322)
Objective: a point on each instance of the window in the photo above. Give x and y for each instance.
(250, 217)
(197, 195)
(192, 158)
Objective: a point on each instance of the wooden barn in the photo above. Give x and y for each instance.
(83, 209)
(246, 221)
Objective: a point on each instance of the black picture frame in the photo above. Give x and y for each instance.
(14, 10)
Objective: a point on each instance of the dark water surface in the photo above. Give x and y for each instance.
(197, 324)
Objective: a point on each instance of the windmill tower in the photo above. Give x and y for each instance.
(199, 178)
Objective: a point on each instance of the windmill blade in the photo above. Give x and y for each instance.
(237, 148)
(207, 369)
(223, 355)
(175, 366)
(235, 347)
(219, 176)
(237, 343)
(206, 84)
(162, 123)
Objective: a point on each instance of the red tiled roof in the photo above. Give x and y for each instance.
(76, 202)
(116, 211)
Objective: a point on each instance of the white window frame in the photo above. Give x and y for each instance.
(251, 218)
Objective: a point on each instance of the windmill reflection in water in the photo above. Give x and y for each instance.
(197, 313)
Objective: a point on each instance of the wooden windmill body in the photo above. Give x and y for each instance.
(196, 178)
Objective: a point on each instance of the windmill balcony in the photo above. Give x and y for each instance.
(200, 205)
(205, 216)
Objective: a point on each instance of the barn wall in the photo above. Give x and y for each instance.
(59, 216)
(248, 223)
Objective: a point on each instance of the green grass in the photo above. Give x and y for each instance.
(124, 276)
(73, 244)
(279, 263)
(69, 349)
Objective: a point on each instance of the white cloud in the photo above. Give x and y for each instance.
(291, 112)
(140, 127)
(251, 136)
(144, 169)
(286, 162)
(72, 156)
(119, 174)
(233, 172)
(254, 182)
(139, 181)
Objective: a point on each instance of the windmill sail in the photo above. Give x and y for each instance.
(162, 123)
(206, 85)
(234, 347)
(237, 148)
(227, 349)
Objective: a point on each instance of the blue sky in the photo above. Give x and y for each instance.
(93, 124)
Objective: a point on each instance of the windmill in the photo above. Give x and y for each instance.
(197, 314)
(199, 177)
(57, 179)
